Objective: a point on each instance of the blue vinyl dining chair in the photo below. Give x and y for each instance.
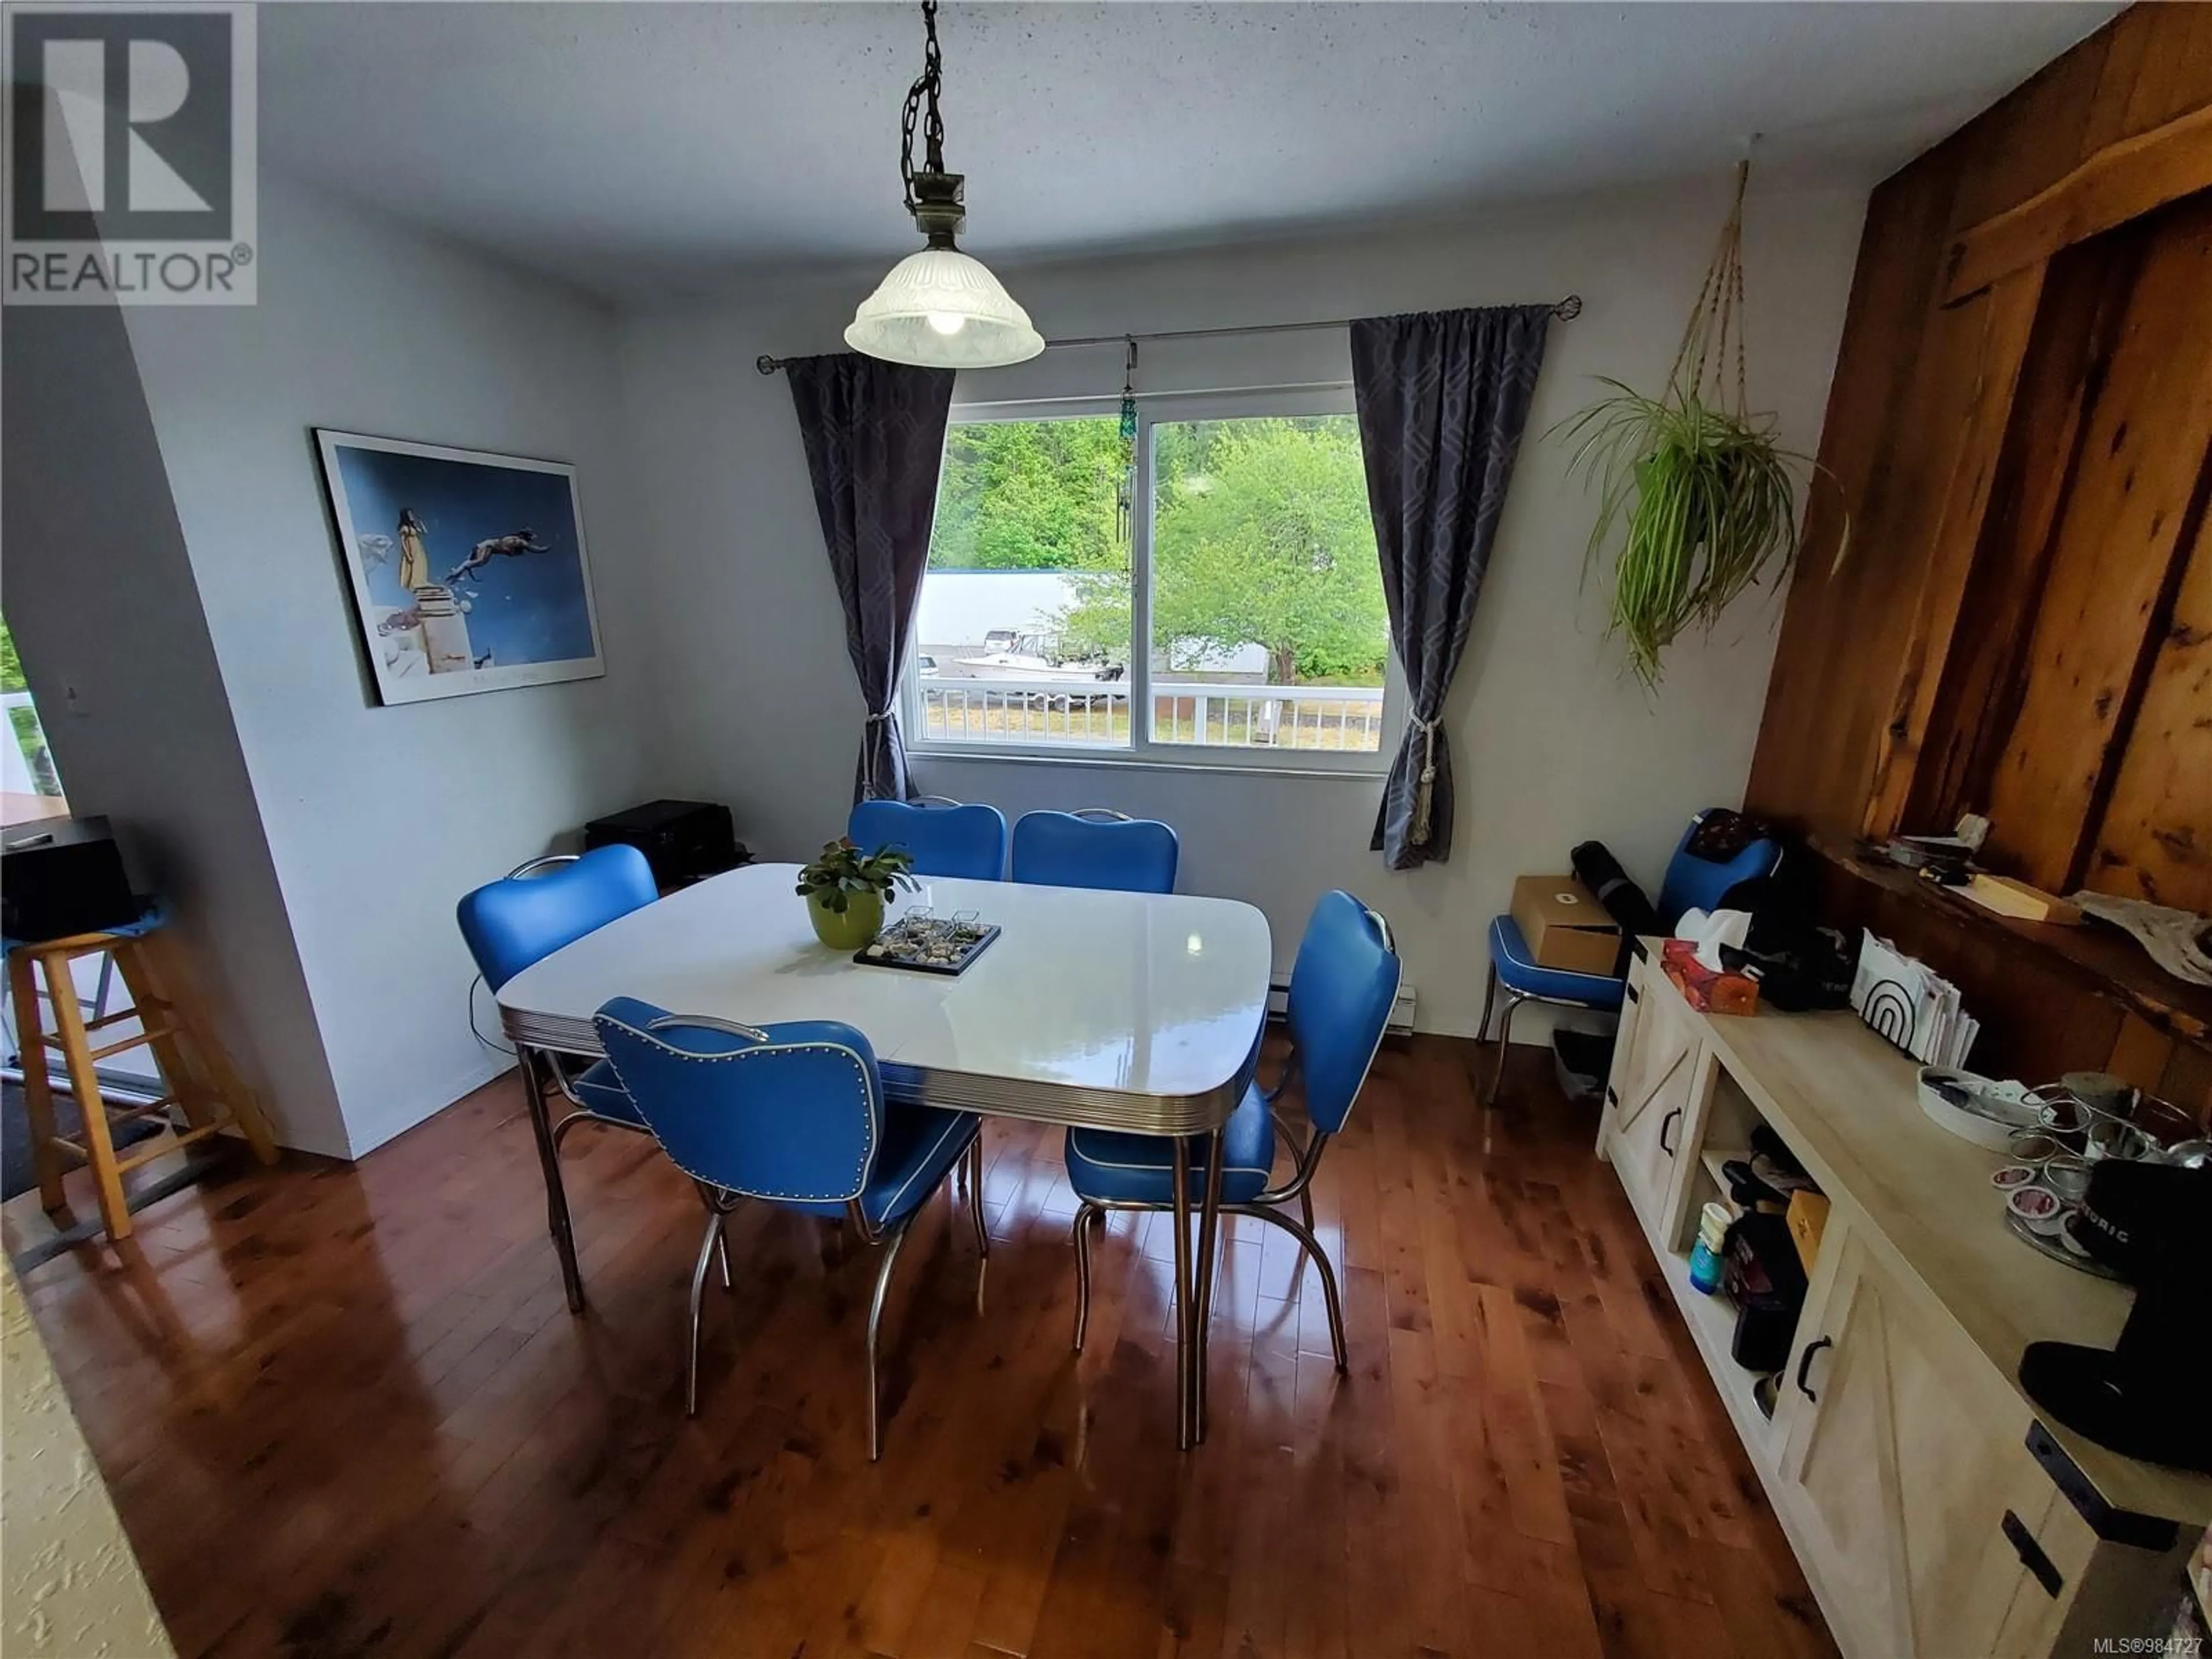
(946, 837)
(531, 912)
(1095, 847)
(1342, 989)
(1692, 883)
(791, 1115)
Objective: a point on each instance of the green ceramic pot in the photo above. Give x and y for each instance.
(861, 921)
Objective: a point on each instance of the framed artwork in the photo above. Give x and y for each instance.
(468, 569)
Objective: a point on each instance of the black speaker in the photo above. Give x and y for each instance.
(684, 841)
(63, 875)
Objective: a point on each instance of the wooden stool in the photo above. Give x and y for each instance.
(174, 1024)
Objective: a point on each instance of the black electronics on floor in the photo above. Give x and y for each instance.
(2145, 1397)
(63, 875)
(684, 841)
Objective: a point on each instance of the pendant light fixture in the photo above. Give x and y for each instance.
(938, 308)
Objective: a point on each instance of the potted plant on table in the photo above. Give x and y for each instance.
(845, 890)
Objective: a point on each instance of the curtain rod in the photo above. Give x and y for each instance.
(1566, 311)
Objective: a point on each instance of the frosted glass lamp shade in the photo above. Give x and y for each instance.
(940, 309)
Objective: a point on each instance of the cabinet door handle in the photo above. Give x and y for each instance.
(1674, 1115)
(1805, 1366)
(1611, 1098)
(1633, 994)
(2031, 1555)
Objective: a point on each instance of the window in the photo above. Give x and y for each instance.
(1231, 537)
(29, 786)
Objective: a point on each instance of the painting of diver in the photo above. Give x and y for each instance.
(468, 569)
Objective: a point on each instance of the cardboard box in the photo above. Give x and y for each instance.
(1807, 1217)
(1565, 926)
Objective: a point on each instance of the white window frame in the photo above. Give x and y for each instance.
(1331, 398)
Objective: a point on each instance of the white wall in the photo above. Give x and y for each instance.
(1553, 743)
(101, 600)
(376, 819)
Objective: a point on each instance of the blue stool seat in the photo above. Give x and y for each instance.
(600, 1091)
(153, 915)
(1517, 970)
(1113, 1167)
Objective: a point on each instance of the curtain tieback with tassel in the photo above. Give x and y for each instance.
(1426, 787)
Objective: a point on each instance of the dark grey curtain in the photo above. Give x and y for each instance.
(1443, 396)
(875, 441)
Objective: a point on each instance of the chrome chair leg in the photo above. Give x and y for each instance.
(1489, 997)
(1209, 1229)
(975, 1216)
(548, 1166)
(1083, 1218)
(584, 1115)
(708, 1245)
(721, 1236)
(1179, 1173)
(1513, 1001)
(1311, 1246)
(891, 1244)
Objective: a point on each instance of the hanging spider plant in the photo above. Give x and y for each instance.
(1695, 490)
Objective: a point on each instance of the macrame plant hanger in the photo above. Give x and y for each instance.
(1716, 320)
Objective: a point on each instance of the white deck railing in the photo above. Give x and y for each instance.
(25, 768)
(1097, 712)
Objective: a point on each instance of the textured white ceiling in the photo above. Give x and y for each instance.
(641, 148)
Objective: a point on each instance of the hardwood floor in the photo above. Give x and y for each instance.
(344, 1411)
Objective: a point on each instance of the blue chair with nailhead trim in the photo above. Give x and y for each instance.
(1693, 883)
(791, 1115)
(946, 837)
(1342, 989)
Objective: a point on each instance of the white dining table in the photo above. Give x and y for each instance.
(1135, 1012)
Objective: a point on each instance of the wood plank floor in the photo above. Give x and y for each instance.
(344, 1412)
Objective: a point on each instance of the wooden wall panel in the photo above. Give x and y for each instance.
(1890, 702)
(2156, 839)
(2029, 140)
(1847, 639)
(1992, 334)
(1980, 690)
(1833, 688)
(2111, 563)
(2170, 76)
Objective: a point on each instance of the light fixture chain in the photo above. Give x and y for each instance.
(925, 87)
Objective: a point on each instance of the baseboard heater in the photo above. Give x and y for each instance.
(1401, 1010)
